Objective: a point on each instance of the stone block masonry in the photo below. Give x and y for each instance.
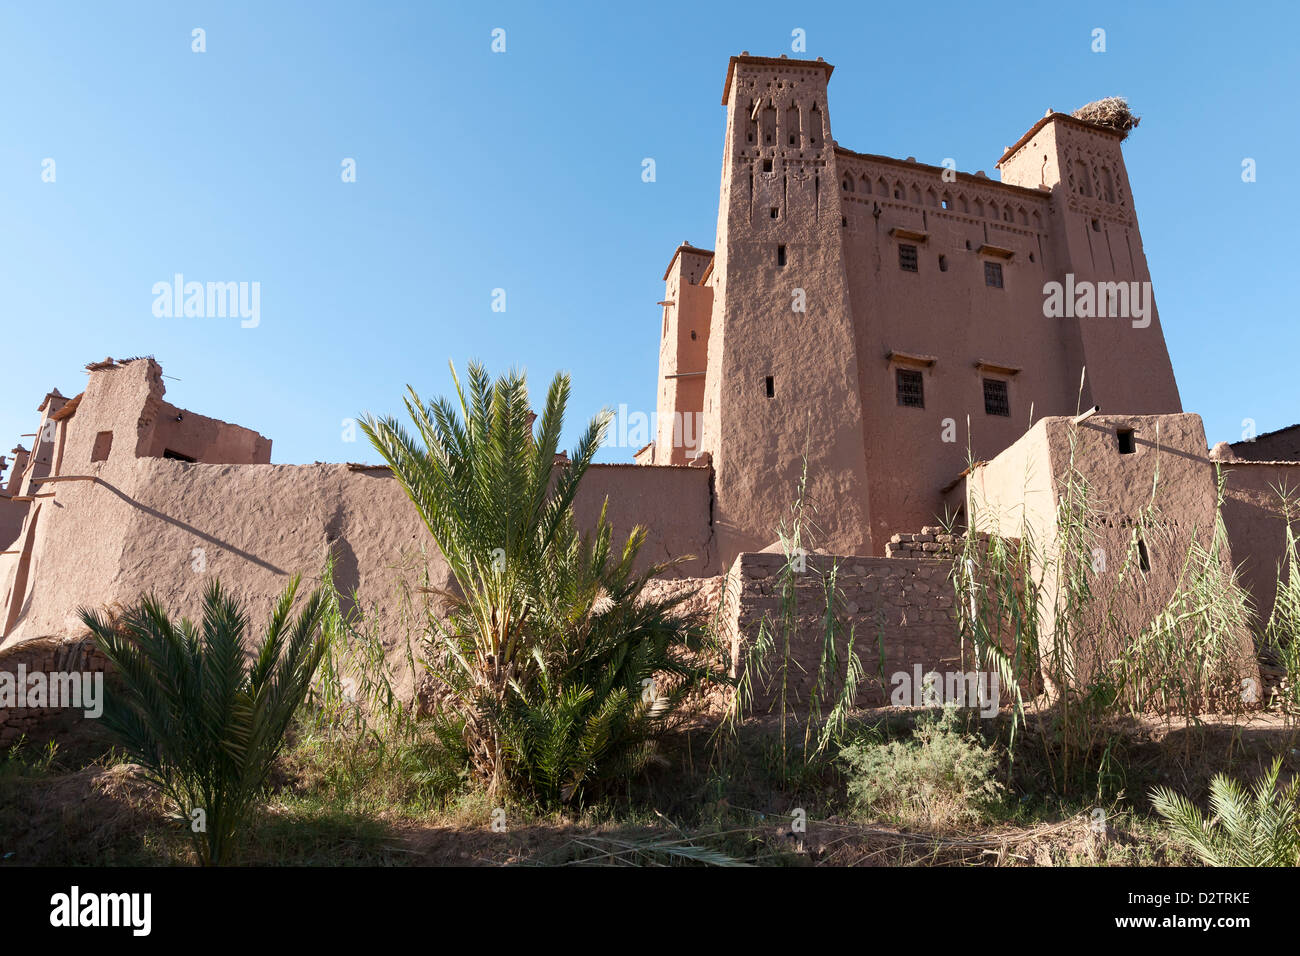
(899, 613)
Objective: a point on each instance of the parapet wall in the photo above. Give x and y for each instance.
(1253, 515)
(168, 527)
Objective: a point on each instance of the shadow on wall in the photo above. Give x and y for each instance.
(184, 526)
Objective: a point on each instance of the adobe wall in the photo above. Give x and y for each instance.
(206, 439)
(166, 527)
(778, 198)
(945, 313)
(674, 504)
(1281, 445)
(1019, 490)
(1252, 511)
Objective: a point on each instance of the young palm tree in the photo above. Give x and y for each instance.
(1261, 828)
(204, 720)
(541, 648)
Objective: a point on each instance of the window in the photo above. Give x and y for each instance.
(1127, 441)
(907, 258)
(996, 401)
(770, 385)
(780, 255)
(767, 165)
(103, 445)
(1096, 225)
(1144, 559)
(943, 263)
(772, 212)
(177, 456)
(911, 388)
(993, 274)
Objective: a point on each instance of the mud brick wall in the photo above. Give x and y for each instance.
(900, 612)
(48, 656)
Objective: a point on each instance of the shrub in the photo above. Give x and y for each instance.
(204, 721)
(941, 776)
(1260, 828)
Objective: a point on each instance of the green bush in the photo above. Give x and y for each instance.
(938, 777)
(204, 721)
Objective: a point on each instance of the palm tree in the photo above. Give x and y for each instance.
(541, 640)
(204, 721)
(1260, 828)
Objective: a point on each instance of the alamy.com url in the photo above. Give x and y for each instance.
(1203, 923)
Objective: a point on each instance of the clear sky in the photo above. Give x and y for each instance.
(522, 171)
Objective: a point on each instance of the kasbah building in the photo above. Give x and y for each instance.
(880, 319)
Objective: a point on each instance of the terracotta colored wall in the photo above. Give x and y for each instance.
(1281, 445)
(1252, 511)
(1064, 208)
(1019, 489)
(206, 439)
(952, 315)
(683, 355)
(757, 443)
(674, 504)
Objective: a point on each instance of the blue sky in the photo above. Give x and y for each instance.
(522, 171)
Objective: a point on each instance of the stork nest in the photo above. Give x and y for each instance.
(1111, 112)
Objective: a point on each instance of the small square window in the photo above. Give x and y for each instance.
(103, 445)
(907, 260)
(767, 165)
(911, 388)
(996, 401)
(993, 274)
(1127, 441)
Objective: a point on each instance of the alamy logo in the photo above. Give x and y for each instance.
(208, 300)
(73, 909)
(1098, 300)
(975, 689)
(637, 429)
(76, 690)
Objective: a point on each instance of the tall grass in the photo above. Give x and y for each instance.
(1103, 635)
(771, 662)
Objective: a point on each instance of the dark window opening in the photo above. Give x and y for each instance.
(1096, 226)
(996, 399)
(907, 258)
(1144, 560)
(177, 456)
(1127, 441)
(772, 212)
(770, 385)
(844, 221)
(767, 165)
(943, 263)
(993, 274)
(911, 388)
(780, 255)
(103, 445)
(967, 243)
(692, 335)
